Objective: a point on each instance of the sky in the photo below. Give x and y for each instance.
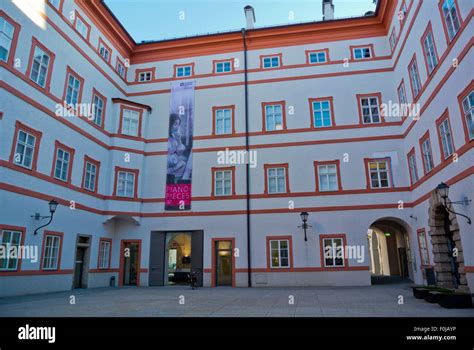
(167, 19)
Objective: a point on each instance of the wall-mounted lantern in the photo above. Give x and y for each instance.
(52, 208)
(443, 190)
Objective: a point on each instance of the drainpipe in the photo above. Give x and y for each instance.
(247, 173)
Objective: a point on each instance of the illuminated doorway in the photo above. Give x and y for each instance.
(177, 258)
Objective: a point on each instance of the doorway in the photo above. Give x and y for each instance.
(391, 258)
(130, 263)
(81, 262)
(224, 262)
(173, 255)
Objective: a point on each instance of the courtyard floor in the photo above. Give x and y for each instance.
(181, 301)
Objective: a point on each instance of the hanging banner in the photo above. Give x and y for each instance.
(180, 145)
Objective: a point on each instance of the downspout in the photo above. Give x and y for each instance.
(247, 173)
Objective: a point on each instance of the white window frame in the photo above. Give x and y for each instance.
(104, 52)
(72, 89)
(402, 94)
(81, 27)
(130, 122)
(321, 110)
(271, 62)
(369, 108)
(446, 138)
(468, 113)
(415, 78)
(224, 68)
(279, 249)
(40, 66)
(274, 117)
(121, 69)
(90, 176)
(424, 254)
(332, 240)
(315, 55)
(144, 76)
(223, 182)
(430, 51)
(325, 173)
(451, 18)
(181, 71)
(9, 245)
(99, 104)
(26, 146)
(363, 51)
(125, 182)
(7, 33)
(52, 247)
(104, 254)
(62, 164)
(379, 172)
(393, 40)
(223, 121)
(427, 154)
(413, 169)
(276, 177)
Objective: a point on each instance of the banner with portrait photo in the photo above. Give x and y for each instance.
(180, 145)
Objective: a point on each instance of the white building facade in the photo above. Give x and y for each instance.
(320, 124)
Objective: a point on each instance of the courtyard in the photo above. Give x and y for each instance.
(390, 300)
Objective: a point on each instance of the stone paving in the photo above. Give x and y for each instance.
(377, 301)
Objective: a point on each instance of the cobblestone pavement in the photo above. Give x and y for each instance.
(378, 300)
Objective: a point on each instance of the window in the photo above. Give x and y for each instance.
(51, 251)
(426, 153)
(184, 70)
(467, 108)
(130, 121)
(333, 251)
(393, 39)
(402, 95)
(445, 136)
(276, 178)
(10, 241)
(104, 253)
(126, 182)
(452, 21)
(429, 50)
(223, 181)
(25, 146)
(415, 81)
(362, 53)
(379, 173)
(423, 245)
(74, 84)
(322, 115)
(25, 149)
(104, 51)
(315, 57)
(98, 108)
(40, 67)
(62, 165)
(412, 166)
(81, 26)
(121, 70)
(327, 176)
(223, 66)
(8, 35)
(270, 61)
(223, 120)
(369, 109)
(91, 174)
(279, 253)
(274, 116)
(144, 76)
